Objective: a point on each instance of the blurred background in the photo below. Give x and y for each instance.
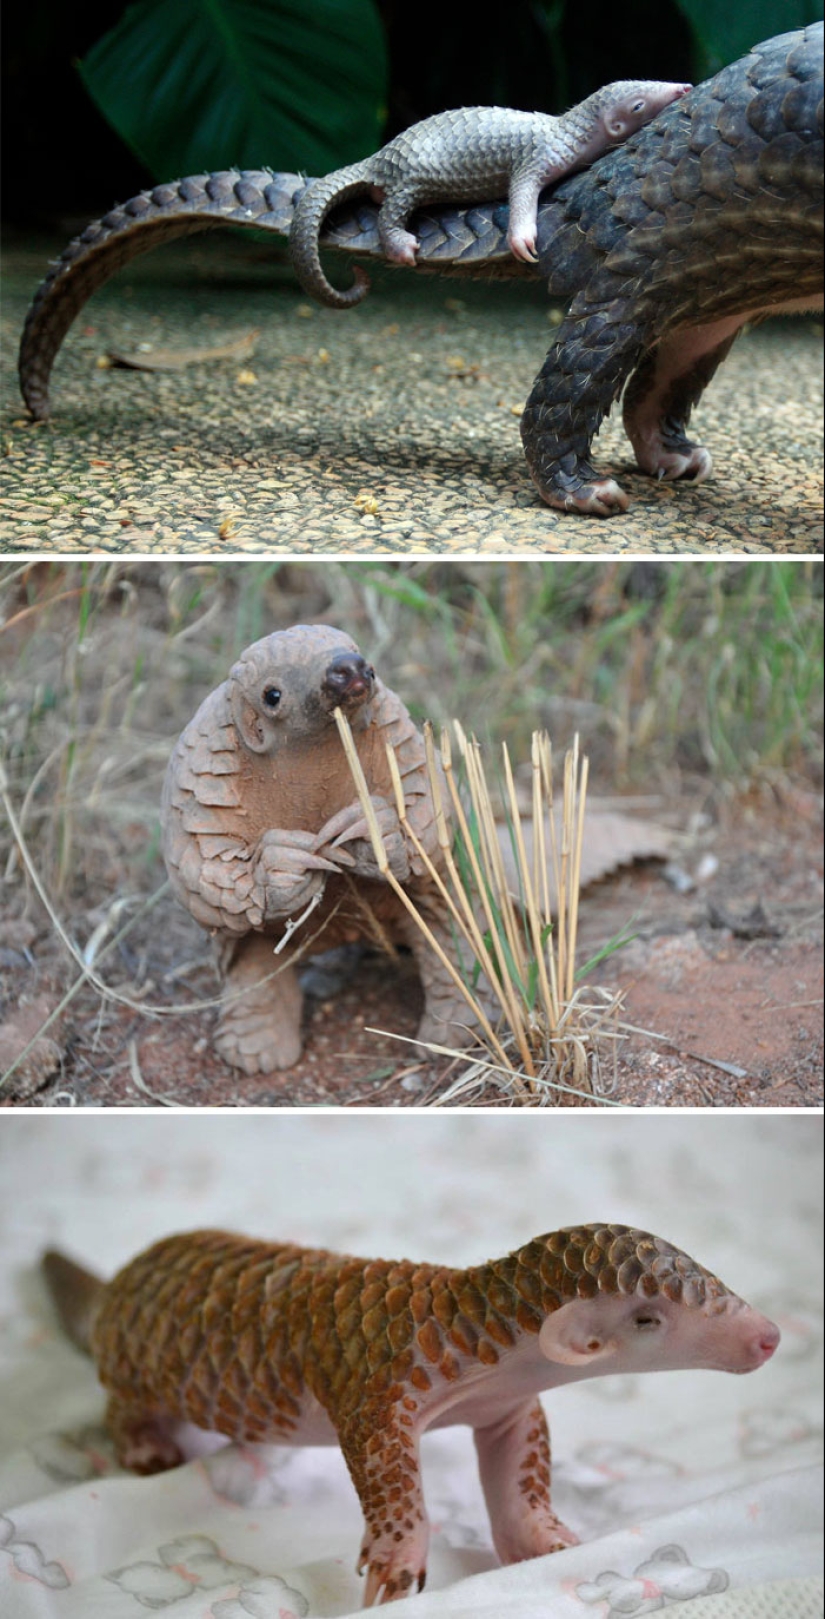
(101, 99)
(669, 671)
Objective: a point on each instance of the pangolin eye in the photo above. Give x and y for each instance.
(647, 1321)
(271, 696)
(638, 106)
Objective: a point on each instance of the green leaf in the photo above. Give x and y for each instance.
(724, 32)
(195, 85)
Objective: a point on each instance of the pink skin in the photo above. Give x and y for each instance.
(676, 355)
(585, 1338)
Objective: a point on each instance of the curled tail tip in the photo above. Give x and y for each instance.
(74, 1292)
(360, 284)
(344, 297)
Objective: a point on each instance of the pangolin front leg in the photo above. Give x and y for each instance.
(514, 1465)
(385, 1470)
(345, 839)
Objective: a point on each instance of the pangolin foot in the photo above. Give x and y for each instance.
(259, 1030)
(394, 1571)
(572, 485)
(144, 1444)
(537, 1536)
(665, 452)
(522, 245)
(452, 1026)
(400, 246)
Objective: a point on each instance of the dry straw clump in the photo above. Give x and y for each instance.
(512, 892)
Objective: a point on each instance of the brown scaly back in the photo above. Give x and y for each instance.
(230, 1332)
(581, 1261)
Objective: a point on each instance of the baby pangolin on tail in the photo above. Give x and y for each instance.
(299, 1346)
(469, 155)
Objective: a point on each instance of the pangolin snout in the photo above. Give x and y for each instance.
(759, 1338)
(348, 679)
(768, 1339)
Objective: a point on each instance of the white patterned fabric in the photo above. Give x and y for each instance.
(695, 1493)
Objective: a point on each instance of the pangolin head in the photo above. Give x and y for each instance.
(284, 688)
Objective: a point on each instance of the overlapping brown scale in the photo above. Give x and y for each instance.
(463, 1334)
(428, 1339)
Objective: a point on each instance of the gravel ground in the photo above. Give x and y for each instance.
(389, 430)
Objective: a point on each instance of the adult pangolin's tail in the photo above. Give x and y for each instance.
(75, 1293)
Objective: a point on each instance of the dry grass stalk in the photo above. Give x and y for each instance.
(514, 962)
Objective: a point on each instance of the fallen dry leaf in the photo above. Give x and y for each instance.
(147, 358)
(611, 839)
(40, 1062)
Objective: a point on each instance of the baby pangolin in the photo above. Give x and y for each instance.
(261, 820)
(299, 1346)
(469, 155)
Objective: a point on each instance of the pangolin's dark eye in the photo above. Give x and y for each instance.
(271, 696)
(638, 106)
(647, 1321)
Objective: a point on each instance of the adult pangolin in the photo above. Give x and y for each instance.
(266, 844)
(299, 1346)
(708, 217)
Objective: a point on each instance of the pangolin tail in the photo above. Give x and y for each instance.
(75, 1293)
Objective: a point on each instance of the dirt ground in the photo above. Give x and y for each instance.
(726, 980)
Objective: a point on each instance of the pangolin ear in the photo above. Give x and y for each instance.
(250, 726)
(576, 1335)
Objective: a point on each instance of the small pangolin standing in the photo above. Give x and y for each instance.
(299, 1346)
(707, 218)
(469, 154)
(261, 819)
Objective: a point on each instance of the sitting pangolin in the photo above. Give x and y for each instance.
(261, 818)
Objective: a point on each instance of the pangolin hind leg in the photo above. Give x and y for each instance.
(514, 1465)
(447, 1019)
(143, 1439)
(661, 394)
(259, 1029)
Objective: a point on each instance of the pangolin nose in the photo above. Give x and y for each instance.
(768, 1339)
(348, 676)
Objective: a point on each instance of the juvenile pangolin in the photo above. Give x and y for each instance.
(260, 817)
(300, 1346)
(708, 217)
(467, 155)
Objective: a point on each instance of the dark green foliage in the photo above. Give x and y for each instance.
(194, 85)
(724, 32)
